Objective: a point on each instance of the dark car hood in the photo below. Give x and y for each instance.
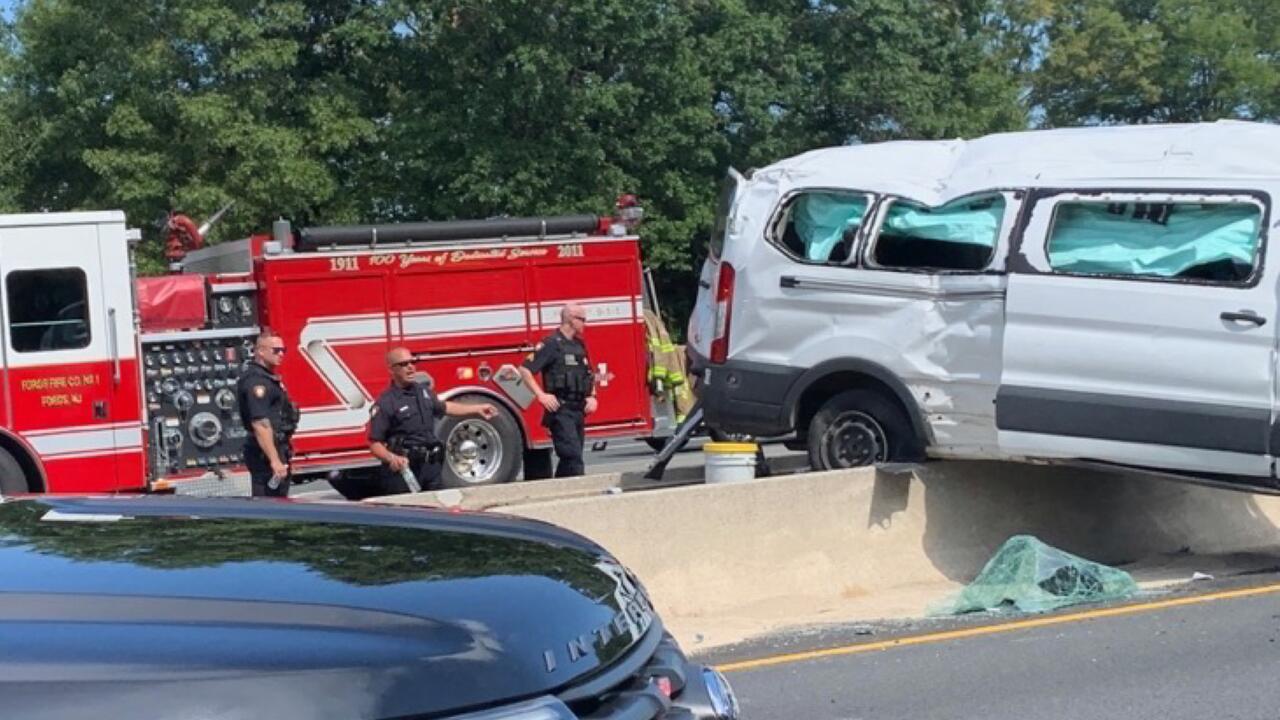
(233, 609)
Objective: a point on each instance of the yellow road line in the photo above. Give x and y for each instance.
(998, 628)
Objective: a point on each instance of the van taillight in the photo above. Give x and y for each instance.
(724, 314)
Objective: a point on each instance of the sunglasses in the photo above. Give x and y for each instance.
(579, 318)
(402, 363)
(277, 350)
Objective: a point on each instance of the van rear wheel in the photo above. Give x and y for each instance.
(858, 428)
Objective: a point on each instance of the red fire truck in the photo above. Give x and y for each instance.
(116, 385)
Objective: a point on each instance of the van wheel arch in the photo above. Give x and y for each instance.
(819, 384)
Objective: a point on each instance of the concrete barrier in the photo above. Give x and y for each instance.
(728, 561)
(488, 497)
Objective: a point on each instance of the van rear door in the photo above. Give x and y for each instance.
(702, 322)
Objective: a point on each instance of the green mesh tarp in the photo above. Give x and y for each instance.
(1035, 577)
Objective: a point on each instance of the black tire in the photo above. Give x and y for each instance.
(13, 480)
(858, 428)
(494, 452)
(357, 483)
(539, 464)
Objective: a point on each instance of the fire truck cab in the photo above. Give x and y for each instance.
(71, 418)
(110, 385)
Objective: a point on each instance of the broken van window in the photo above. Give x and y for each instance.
(957, 236)
(821, 226)
(1217, 242)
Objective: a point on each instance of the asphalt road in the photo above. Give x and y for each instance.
(1213, 658)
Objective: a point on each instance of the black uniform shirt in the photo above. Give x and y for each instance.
(405, 412)
(261, 396)
(560, 355)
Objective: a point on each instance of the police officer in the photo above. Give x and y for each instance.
(567, 393)
(402, 427)
(268, 416)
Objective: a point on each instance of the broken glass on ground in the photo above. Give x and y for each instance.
(1032, 576)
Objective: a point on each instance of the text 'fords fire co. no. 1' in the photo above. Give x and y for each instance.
(112, 384)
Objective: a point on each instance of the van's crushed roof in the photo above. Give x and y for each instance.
(942, 169)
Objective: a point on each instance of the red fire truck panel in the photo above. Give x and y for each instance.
(94, 402)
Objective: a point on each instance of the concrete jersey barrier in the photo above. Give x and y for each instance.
(728, 561)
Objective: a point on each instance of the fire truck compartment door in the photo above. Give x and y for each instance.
(60, 373)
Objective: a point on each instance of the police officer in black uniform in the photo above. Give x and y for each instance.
(567, 393)
(268, 416)
(402, 429)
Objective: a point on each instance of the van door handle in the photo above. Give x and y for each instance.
(1248, 316)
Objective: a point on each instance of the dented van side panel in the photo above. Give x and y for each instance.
(939, 333)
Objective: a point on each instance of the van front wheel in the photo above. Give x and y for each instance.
(858, 428)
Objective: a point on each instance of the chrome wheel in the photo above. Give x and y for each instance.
(474, 451)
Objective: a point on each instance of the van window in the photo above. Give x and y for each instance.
(1215, 242)
(957, 236)
(48, 309)
(820, 227)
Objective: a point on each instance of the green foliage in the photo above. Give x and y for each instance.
(331, 111)
(1139, 61)
(187, 105)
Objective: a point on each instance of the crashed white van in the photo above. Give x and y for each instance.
(1100, 294)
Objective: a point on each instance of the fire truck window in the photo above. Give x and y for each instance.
(48, 309)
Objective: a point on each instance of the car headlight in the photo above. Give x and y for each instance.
(544, 708)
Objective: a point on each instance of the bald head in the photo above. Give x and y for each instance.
(568, 312)
(269, 349)
(400, 364)
(573, 319)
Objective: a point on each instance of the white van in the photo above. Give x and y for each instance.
(1099, 294)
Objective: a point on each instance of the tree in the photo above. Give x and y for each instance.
(1140, 61)
(330, 111)
(504, 111)
(152, 106)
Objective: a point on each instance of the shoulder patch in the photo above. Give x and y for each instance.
(537, 347)
(373, 410)
(259, 391)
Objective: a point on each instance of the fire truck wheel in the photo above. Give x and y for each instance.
(12, 479)
(479, 451)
